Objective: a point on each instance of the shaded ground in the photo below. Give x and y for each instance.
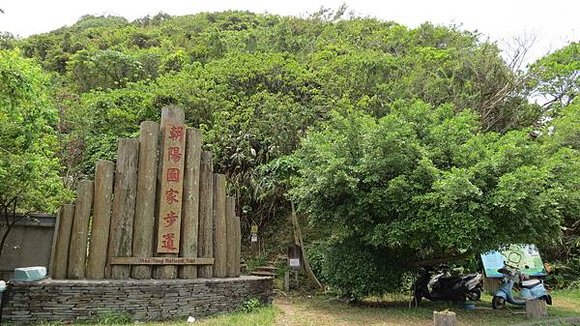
(321, 311)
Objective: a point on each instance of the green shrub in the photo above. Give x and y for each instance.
(250, 305)
(316, 253)
(254, 262)
(565, 274)
(357, 270)
(113, 318)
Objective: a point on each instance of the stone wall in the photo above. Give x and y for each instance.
(70, 300)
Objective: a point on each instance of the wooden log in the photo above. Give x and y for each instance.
(103, 196)
(220, 228)
(190, 214)
(170, 179)
(144, 223)
(80, 230)
(205, 232)
(231, 236)
(123, 212)
(444, 318)
(53, 244)
(536, 309)
(61, 242)
(238, 243)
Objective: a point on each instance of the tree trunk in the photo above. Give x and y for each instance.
(298, 241)
(536, 309)
(444, 318)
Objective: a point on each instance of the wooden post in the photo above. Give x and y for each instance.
(190, 223)
(103, 196)
(80, 229)
(231, 236)
(62, 241)
(238, 244)
(53, 244)
(490, 285)
(144, 223)
(123, 213)
(205, 232)
(287, 281)
(536, 309)
(219, 219)
(444, 318)
(170, 178)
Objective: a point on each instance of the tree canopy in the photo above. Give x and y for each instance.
(29, 166)
(424, 181)
(256, 83)
(407, 144)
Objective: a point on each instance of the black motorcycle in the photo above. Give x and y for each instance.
(441, 286)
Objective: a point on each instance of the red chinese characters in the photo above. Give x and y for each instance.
(171, 196)
(168, 241)
(174, 154)
(176, 133)
(172, 175)
(170, 218)
(172, 165)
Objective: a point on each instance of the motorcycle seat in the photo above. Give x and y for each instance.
(528, 284)
(469, 276)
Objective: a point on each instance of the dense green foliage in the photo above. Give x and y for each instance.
(255, 83)
(418, 141)
(425, 182)
(29, 167)
(557, 77)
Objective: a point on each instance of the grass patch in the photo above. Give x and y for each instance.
(393, 310)
(262, 316)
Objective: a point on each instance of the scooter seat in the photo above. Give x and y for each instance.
(528, 284)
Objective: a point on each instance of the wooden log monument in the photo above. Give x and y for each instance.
(159, 211)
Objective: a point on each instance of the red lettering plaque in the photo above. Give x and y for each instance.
(173, 147)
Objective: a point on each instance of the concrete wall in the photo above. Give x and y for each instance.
(28, 244)
(76, 300)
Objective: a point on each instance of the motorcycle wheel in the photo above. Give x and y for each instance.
(474, 295)
(417, 296)
(459, 300)
(498, 302)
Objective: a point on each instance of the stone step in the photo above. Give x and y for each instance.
(260, 273)
(270, 269)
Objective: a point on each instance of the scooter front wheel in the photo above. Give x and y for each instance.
(498, 302)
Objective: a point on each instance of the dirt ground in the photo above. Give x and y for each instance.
(322, 311)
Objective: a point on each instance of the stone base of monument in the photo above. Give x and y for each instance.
(144, 300)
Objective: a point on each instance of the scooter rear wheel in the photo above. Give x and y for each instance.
(498, 302)
(474, 295)
(548, 299)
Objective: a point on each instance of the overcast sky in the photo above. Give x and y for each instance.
(554, 23)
